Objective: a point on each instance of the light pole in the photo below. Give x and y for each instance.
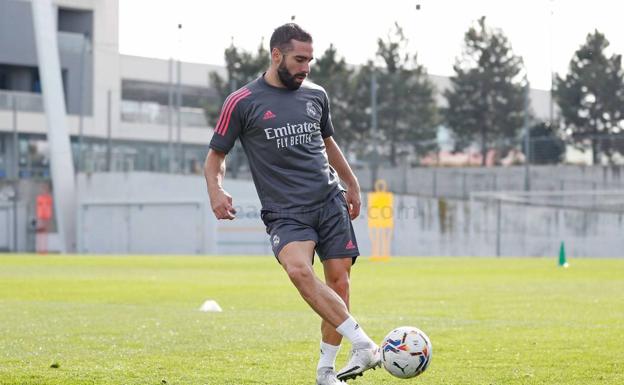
(179, 155)
(552, 78)
(83, 53)
(15, 169)
(374, 162)
(170, 118)
(527, 138)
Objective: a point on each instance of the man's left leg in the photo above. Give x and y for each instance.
(337, 272)
(337, 248)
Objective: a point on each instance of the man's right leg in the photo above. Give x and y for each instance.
(296, 259)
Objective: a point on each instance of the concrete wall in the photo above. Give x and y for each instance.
(161, 213)
(153, 213)
(438, 226)
(424, 226)
(24, 234)
(6, 227)
(539, 231)
(140, 227)
(11, 239)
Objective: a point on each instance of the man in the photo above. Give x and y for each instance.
(285, 127)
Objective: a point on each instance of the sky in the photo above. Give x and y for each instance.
(544, 32)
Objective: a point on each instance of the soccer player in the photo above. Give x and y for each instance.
(284, 125)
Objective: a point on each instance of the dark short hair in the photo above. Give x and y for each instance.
(285, 33)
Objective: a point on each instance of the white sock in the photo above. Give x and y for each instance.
(354, 333)
(328, 355)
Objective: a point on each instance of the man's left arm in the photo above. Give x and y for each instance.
(339, 163)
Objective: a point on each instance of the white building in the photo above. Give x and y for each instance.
(120, 104)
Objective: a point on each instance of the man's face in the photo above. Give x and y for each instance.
(294, 66)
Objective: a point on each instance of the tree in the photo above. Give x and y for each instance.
(544, 145)
(591, 97)
(359, 113)
(486, 101)
(241, 68)
(407, 112)
(335, 76)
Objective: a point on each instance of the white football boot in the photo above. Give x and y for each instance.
(360, 361)
(327, 376)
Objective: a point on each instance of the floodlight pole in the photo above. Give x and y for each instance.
(552, 77)
(170, 119)
(109, 132)
(179, 151)
(498, 225)
(374, 163)
(527, 140)
(83, 52)
(15, 170)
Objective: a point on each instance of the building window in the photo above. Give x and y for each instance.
(34, 157)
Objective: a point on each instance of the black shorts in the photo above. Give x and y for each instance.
(329, 227)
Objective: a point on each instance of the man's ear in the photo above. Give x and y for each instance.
(276, 55)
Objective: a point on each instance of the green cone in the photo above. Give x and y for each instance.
(562, 256)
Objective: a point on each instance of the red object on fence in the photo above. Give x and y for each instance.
(44, 215)
(44, 206)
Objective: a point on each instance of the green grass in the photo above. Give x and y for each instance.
(135, 320)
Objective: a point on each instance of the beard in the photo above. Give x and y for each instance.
(287, 78)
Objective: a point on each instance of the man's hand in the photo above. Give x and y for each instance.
(353, 201)
(221, 203)
(214, 171)
(339, 163)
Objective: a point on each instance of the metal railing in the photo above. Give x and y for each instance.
(25, 101)
(131, 111)
(154, 113)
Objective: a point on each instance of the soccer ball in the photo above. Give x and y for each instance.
(406, 352)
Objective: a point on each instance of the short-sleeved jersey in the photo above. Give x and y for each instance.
(282, 134)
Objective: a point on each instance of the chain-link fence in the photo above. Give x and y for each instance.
(532, 223)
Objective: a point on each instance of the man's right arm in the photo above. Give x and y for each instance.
(214, 171)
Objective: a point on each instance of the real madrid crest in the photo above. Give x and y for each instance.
(313, 110)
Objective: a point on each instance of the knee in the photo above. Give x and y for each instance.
(340, 284)
(299, 274)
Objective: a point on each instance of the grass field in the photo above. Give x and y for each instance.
(135, 320)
